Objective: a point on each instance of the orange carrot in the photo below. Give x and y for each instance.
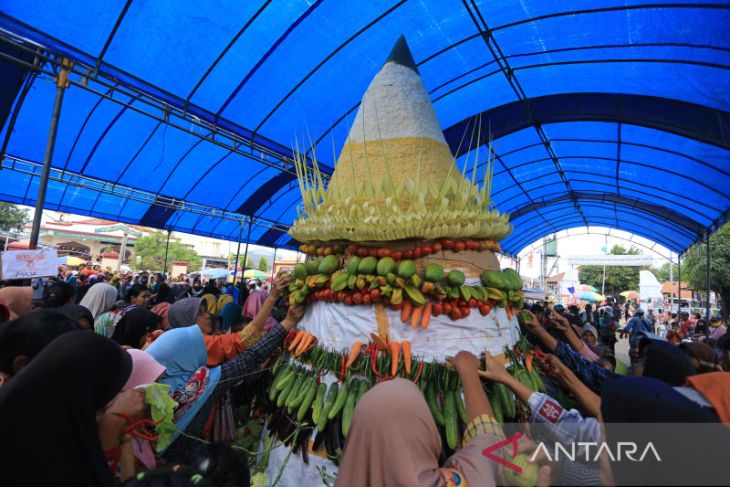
(303, 344)
(406, 345)
(379, 342)
(426, 316)
(297, 339)
(406, 311)
(395, 355)
(528, 362)
(416, 316)
(354, 353)
(509, 312)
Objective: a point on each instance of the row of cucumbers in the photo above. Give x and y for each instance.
(295, 388)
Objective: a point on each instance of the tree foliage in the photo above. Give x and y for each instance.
(618, 278)
(694, 267)
(151, 249)
(662, 273)
(263, 264)
(12, 218)
(249, 262)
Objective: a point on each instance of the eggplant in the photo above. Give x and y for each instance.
(318, 440)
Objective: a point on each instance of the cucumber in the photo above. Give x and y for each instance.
(307, 401)
(450, 423)
(281, 400)
(273, 391)
(433, 404)
(331, 396)
(294, 393)
(364, 386)
(354, 389)
(339, 402)
(297, 400)
(460, 409)
(277, 365)
(506, 402)
(495, 402)
(285, 378)
(318, 402)
(537, 380)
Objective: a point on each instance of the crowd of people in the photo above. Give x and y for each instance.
(74, 371)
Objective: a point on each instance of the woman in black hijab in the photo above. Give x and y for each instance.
(134, 326)
(23, 338)
(80, 314)
(48, 413)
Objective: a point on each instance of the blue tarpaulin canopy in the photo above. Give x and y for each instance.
(181, 115)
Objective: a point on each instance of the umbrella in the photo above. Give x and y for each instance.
(254, 274)
(589, 296)
(71, 261)
(630, 295)
(586, 287)
(215, 273)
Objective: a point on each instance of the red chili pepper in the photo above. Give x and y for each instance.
(373, 360)
(310, 346)
(418, 373)
(343, 369)
(142, 434)
(290, 337)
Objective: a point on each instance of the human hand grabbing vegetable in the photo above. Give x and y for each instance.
(129, 403)
(530, 321)
(281, 281)
(494, 369)
(464, 362)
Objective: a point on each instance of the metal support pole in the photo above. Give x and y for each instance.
(238, 252)
(123, 248)
(671, 281)
(679, 282)
(273, 265)
(61, 84)
(517, 264)
(245, 252)
(708, 282)
(167, 247)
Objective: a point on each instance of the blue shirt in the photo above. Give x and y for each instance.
(639, 325)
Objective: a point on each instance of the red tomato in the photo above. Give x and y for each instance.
(447, 308)
(455, 314)
(348, 300)
(341, 296)
(383, 253)
(461, 303)
(465, 312)
(459, 246)
(473, 303)
(396, 254)
(396, 306)
(426, 250)
(352, 249)
(407, 254)
(362, 252)
(417, 253)
(373, 253)
(448, 244)
(357, 298)
(436, 246)
(375, 294)
(484, 309)
(437, 309)
(366, 299)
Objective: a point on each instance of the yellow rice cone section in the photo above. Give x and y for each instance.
(398, 157)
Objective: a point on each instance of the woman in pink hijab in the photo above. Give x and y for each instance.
(18, 300)
(145, 370)
(394, 440)
(255, 302)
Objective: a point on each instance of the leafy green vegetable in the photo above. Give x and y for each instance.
(162, 408)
